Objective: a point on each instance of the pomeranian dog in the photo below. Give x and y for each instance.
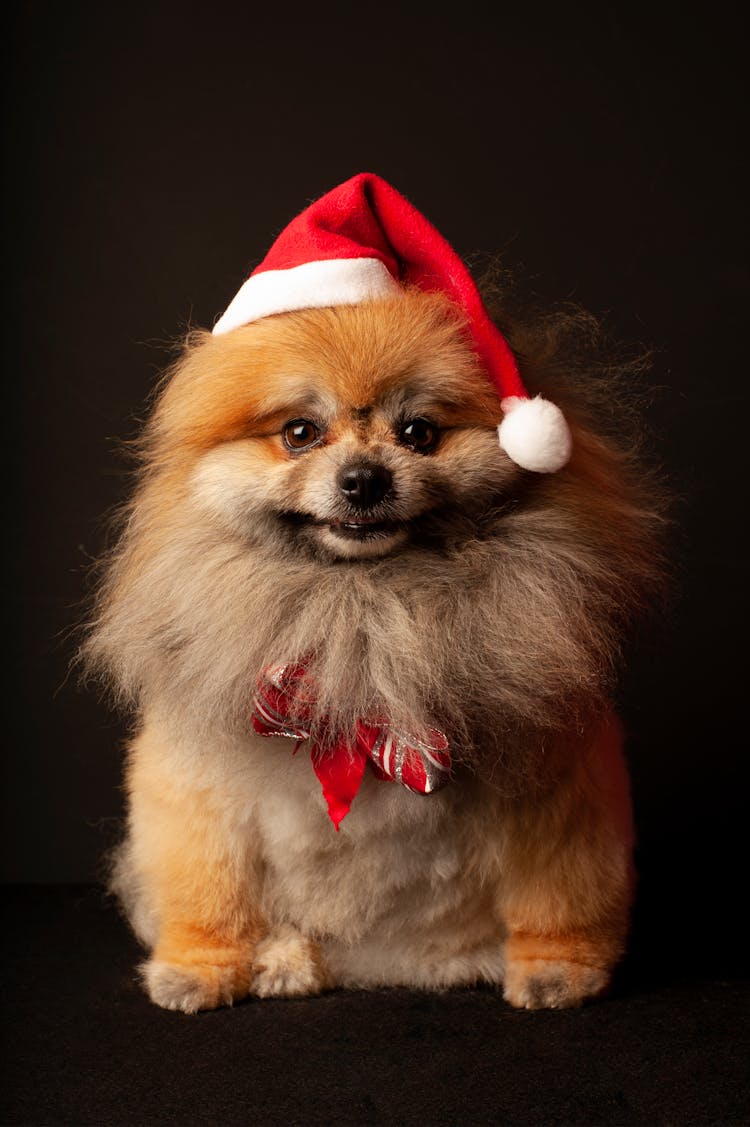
(372, 658)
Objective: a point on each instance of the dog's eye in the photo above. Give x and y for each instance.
(300, 434)
(420, 435)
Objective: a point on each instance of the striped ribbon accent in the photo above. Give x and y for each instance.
(283, 705)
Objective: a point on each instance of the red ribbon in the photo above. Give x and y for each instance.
(283, 706)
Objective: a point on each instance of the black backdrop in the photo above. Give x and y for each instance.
(153, 153)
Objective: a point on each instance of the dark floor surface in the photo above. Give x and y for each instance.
(82, 1045)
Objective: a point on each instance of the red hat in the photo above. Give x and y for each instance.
(364, 240)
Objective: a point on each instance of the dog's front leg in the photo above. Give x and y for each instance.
(196, 868)
(568, 881)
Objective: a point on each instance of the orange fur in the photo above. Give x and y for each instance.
(231, 386)
(566, 907)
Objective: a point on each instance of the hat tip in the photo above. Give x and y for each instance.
(534, 434)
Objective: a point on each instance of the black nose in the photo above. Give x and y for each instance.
(365, 484)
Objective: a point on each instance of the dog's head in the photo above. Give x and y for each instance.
(347, 430)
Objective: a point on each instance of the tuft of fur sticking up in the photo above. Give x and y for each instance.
(499, 613)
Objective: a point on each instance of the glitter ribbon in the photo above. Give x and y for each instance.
(283, 706)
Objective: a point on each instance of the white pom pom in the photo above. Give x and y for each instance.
(534, 434)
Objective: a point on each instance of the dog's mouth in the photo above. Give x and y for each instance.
(362, 528)
(351, 530)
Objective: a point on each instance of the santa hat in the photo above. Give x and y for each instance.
(364, 240)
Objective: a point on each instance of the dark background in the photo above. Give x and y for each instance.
(152, 155)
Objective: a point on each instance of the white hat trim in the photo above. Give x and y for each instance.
(312, 285)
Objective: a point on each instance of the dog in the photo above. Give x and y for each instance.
(372, 661)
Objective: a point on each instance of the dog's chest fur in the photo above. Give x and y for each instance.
(400, 872)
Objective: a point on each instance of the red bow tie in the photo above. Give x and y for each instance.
(282, 706)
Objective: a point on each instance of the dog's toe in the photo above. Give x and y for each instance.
(196, 987)
(538, 984)
(287, 964)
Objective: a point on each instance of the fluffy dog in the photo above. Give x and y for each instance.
(327, 546)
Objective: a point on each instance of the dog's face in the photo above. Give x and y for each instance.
(345, 431)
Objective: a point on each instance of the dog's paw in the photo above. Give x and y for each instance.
(547, 984)
(193, 987)
(287, 964)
